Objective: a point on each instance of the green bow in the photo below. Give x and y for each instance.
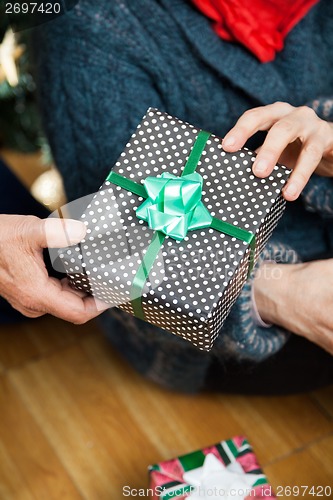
(174, 204)
(172, 207)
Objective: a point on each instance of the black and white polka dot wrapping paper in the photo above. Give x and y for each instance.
(193, 283)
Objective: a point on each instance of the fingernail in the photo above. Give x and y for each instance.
(75, 230)
(291, 189)
(229, 141)
(260, 166)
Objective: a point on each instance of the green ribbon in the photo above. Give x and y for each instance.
(172, 207)
(181, 490)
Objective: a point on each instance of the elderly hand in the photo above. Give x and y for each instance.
(24, 281)
(296, 137)
(298, 297)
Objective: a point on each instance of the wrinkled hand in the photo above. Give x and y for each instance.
(298, 297)
(24, 281)
(296, 137)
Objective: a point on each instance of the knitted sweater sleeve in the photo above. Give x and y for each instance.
(92, 87)
(318, 193)
(241, 336)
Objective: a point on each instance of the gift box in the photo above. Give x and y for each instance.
(227, 470)
(175, 229)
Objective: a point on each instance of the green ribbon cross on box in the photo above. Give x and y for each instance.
(175, 229)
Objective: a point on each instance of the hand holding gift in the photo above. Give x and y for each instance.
(24, 281)
(296, 136)
(299, 138)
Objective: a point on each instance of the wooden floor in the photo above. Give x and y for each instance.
(76, 422)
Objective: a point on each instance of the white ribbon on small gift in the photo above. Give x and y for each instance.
(214, 480)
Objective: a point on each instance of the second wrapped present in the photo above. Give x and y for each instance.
(228, 470)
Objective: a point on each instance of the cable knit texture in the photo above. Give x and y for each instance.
(317, 194)
(104, 63)
(245, 339)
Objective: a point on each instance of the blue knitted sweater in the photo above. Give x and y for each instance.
(104, 63)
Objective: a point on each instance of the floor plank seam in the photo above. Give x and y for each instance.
(321, 407)
(297, 450)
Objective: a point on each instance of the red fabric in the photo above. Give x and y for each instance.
(260, 25)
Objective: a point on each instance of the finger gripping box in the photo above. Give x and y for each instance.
(175, 228)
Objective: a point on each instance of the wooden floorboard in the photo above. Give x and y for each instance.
(31, 339)
(276, 424)
(34, 464)
(324, 398)
(77, 422)
(311, 467)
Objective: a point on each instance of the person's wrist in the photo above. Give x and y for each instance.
(271, 288)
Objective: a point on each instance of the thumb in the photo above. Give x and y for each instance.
(58, 233)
